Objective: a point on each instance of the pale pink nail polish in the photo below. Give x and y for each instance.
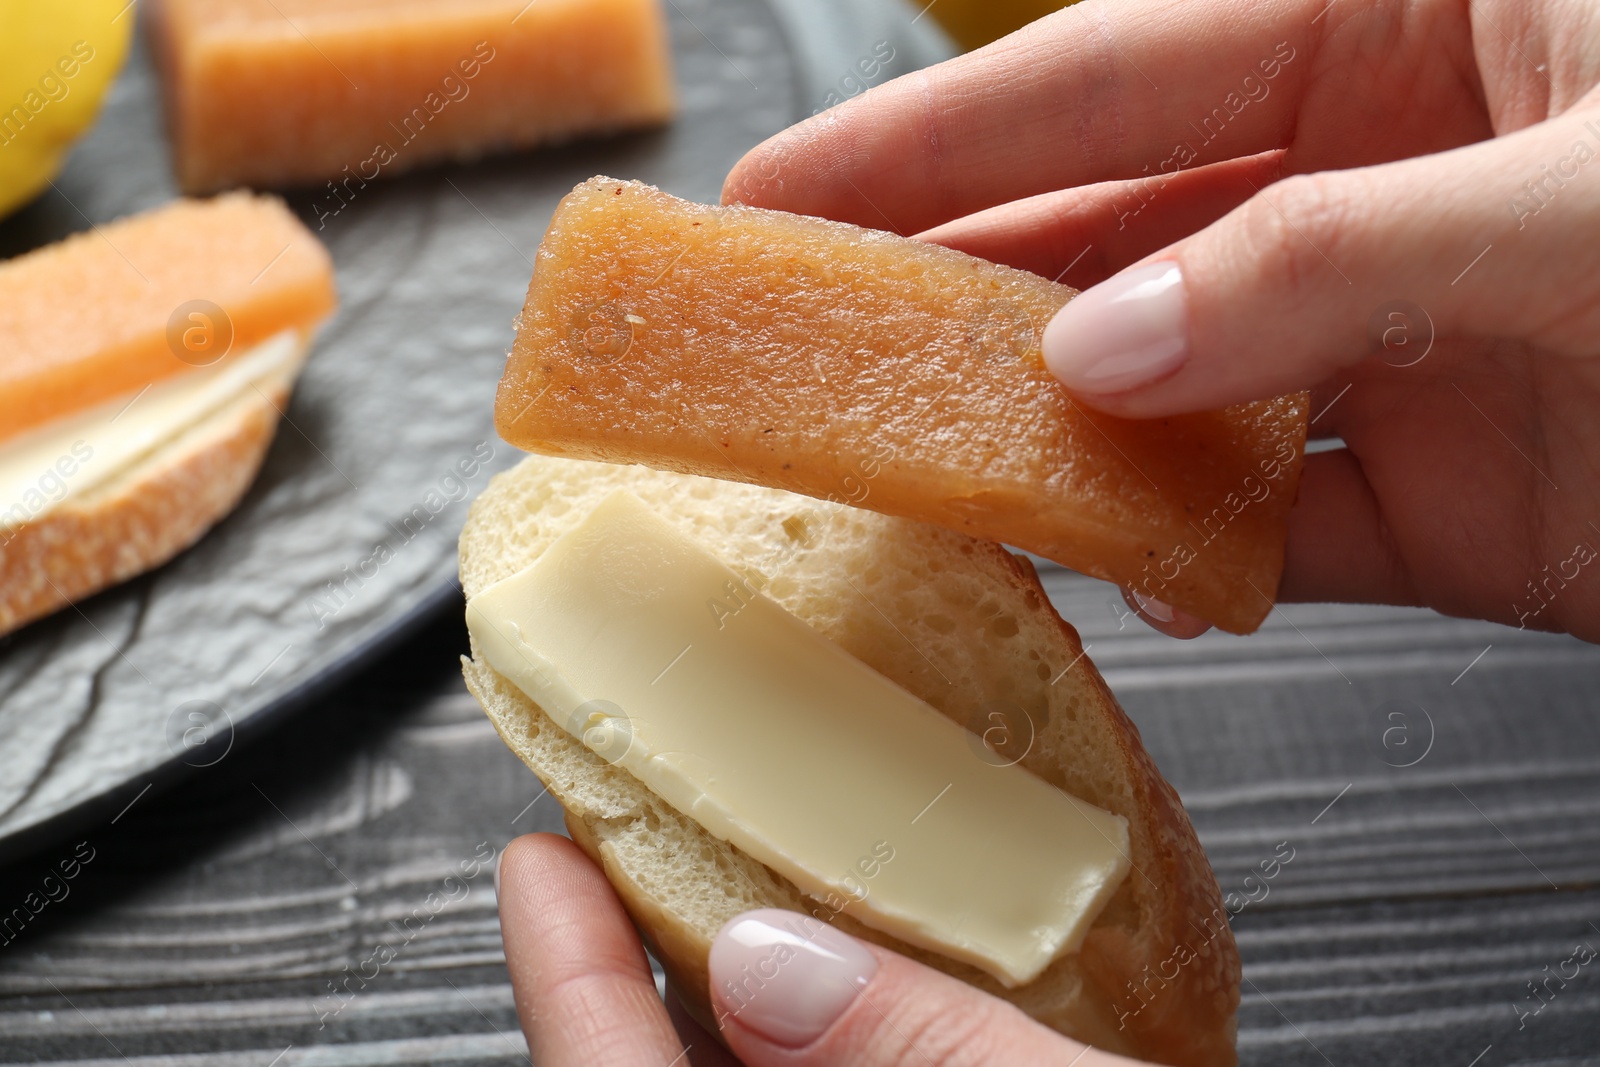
(786, 976)
(1149, 605)
(1128, 330)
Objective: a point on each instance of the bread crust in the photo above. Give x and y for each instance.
(141, 519)
(1132, 988)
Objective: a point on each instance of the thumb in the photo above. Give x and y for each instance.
(790, 990)
(1320, 271)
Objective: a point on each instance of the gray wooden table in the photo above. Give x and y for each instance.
(1437, 780)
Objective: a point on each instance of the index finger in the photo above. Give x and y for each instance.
(1098, 92)
(585, 993)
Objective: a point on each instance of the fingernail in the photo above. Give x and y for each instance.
(1149, 605)
(497, 861)
(1125, 332)
(786, 976)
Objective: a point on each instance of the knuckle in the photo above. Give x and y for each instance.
(1294, 226)
(942, 1038)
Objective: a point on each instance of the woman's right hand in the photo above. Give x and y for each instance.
(1394, 203)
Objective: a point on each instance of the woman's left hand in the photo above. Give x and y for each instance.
(586, 996)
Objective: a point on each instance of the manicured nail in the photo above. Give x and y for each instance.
(786, 976)
(1125, 332)
(1149, 605)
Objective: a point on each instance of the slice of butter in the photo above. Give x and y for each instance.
(67, 458)
(643, 644)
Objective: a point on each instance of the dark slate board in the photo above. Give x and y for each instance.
(96, 702)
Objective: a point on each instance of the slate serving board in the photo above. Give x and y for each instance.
(319, 566)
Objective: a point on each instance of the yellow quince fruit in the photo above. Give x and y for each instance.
(974, 23)
(57, 58)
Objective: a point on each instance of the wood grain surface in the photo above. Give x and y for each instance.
(212, 922)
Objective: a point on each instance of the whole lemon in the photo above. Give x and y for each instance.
(57, 58)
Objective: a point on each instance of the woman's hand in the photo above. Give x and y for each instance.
(586, 997)
(1395, 203)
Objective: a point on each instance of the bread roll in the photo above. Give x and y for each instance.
(962, 624)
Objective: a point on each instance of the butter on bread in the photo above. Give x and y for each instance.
(143, 370)
(851, 364)
(901, 596)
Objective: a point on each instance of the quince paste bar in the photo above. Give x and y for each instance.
(285, 92)
(888, 373)
(114, 309)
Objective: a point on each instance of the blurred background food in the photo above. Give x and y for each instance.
(361, 89)
(974, 23)
(57, 59)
